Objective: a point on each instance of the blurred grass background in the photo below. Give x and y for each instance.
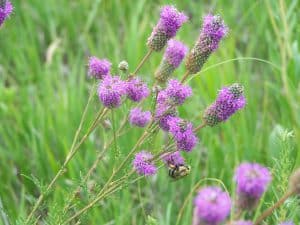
(44, 88)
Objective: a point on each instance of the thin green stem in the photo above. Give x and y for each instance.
(269, 211)
(114, 133)
(146, 57)
(42, 195)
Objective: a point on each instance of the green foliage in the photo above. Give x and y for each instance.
(43, 90)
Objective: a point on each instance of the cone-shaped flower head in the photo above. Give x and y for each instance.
(183, 134)
(177, 93)
(173, 158)
(230, 99)
(252, 181)
(139, 118)
(213, 30)
(241, 222)
(142, 165)
(174, 54)
(169, 23)
(110, 91)
(98, 68)
(212, 206)
(5, 10)
(136, 89)
(295, 181)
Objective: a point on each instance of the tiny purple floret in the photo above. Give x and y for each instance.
(212, 206)
(136, 90)
(98, 68)
(174, 159)
(5, 11)
(242, 222)
(139, 118)
(252, 179)
(213, 30)
(177, 92)
(141, 164)
(183, 134)
(171, 20)
(110, 91)
(175, 52)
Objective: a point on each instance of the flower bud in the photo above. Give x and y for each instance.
(123, 66)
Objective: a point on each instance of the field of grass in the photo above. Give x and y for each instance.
(44, 88)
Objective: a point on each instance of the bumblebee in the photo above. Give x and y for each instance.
(178, 171)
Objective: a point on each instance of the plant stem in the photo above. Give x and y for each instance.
(186, 74)
(269, 211)
(199, 127)
(114, 134)
(41, 197)
(146, 57)
(106, 185)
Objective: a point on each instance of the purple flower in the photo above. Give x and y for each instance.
(141, 164)
(110, 91)
(230, 99)
(173, 56)
(242, 222)
(5, 11)
(175, 52)
(177, 92)
(98, 68)
(252, 181)
(287, 223)
(212, 206)
(183, 134)
(139, 118)
(171, 20)
(174, 159)
(169, 23)
(213, 30)
(136, 89)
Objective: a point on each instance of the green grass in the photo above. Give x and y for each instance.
(43, 94)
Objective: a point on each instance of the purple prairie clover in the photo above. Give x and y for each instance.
(287, 223)
(212, 31)
(212, 206)
(230, 99)
(169, 23)
(98, 68)
(139, 118)
(136, 90)
(183, 134)
(252, 180)
(5, 10)
(178, 92)
(164, 110)
(174, 54)
(242, 222)
(142, 165)
(110, 91)
(174, 158)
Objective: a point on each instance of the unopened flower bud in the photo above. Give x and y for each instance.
(123, 66)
